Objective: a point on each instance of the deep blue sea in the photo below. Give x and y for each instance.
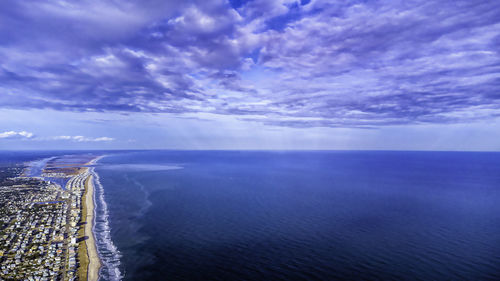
(229, 215)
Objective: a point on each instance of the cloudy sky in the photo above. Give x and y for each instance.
(258, 74)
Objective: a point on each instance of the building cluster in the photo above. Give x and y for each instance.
(39, 225)
(55, 175)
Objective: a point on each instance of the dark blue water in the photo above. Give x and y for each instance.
(304, 215)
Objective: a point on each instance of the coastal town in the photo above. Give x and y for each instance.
(44, 227)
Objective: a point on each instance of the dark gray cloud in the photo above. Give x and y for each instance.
(285, 63)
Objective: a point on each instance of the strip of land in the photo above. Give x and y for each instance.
(94, 263)
(83, 257)
(45, 230)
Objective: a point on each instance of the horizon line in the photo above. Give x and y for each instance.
(256, 150)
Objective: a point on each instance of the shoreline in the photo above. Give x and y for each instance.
(89, 262)
(92, 255)
(108, 253)
(94, 261)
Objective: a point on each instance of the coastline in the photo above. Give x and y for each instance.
(108, 253)
(90, 262)
(94, 263)
(81, 194)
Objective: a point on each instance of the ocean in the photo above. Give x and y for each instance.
(282, 215)
(255, 215)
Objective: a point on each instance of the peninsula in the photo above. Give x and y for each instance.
(47, 220)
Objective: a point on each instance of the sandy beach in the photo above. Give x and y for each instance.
(94, 263)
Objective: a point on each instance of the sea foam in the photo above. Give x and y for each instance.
(108, 252)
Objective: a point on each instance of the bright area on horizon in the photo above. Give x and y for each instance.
(261, 74)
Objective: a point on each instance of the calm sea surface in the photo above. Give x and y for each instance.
(300, 215)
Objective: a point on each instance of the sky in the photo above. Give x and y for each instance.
(258, 74)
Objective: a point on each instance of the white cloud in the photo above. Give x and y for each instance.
(14, 134)
(103, 139)
(81, 138)
(31, 136)
(61, 138)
